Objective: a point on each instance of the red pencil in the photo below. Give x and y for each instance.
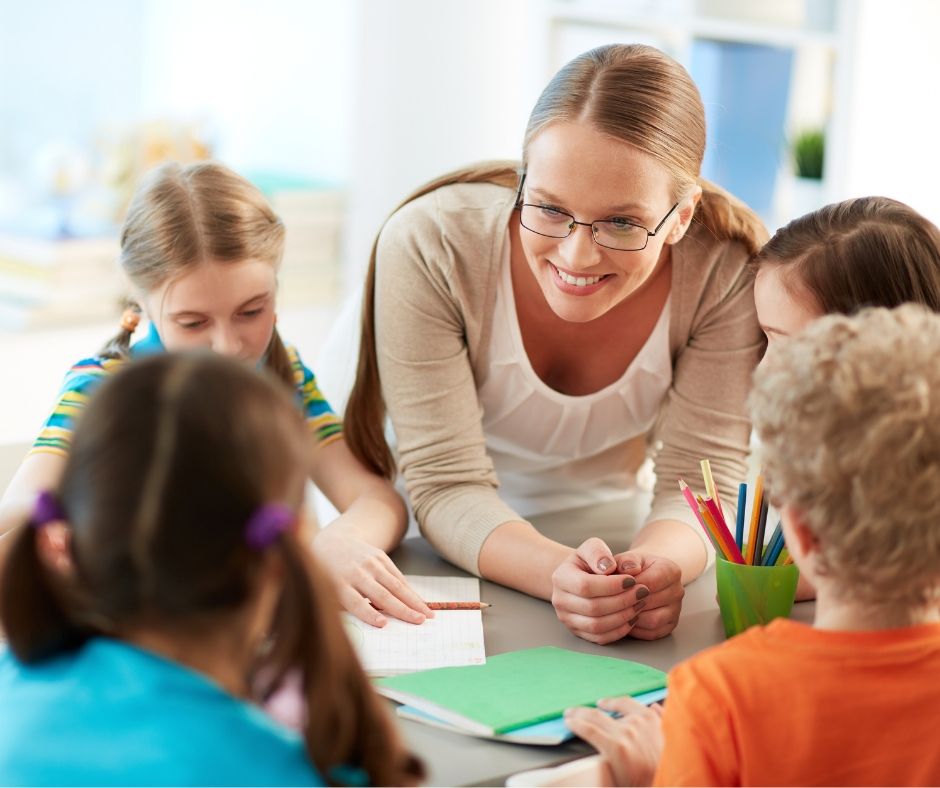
(457, 605)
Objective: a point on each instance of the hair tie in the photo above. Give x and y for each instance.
(130, 319)
(46, 510)
(268, 522)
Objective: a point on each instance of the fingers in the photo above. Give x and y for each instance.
(572, 577)
(601, 629)
(596, 728)
(597, 556)
(381, 595)
(655, 624)
(601, 605)
(360, 607)
(629, 562)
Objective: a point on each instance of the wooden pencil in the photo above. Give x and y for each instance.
(755, 517)
(457, 605)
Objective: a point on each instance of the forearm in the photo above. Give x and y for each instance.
(518, 556)
(377, 517)
(676, 541)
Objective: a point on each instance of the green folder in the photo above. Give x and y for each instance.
(519, 688)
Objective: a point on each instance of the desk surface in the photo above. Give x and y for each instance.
(517, 621)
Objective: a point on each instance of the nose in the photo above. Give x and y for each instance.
(579, 251)
(226, 341)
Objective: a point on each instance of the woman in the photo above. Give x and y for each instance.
(536, 325)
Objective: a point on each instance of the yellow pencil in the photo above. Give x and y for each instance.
(755, 518)
(710, 489)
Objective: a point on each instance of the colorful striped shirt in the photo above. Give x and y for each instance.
(56, 434)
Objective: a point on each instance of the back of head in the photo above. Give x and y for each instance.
(868, 251)
(848, 414)
(639, 95)
(172, 459)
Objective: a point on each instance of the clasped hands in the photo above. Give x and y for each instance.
(603, 597)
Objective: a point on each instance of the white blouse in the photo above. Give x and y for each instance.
(553, 451)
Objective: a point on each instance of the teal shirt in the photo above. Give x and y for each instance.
(112, 714)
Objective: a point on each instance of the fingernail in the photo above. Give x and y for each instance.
(629, 566)
(639, 605)
(604, 564)
(642, 593)
(629, 582)
(633, 620)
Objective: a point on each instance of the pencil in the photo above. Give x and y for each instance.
(739, 523)
(690, 499)
(775, 547)
(710, 490)
(761, 527)
(755, 516)
(457, 605)
(715, 520)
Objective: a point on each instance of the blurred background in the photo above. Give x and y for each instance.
(338, 109)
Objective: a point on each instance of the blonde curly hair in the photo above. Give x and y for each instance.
(848, 414)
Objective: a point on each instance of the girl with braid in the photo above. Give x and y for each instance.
(200, 248)
(183, 594)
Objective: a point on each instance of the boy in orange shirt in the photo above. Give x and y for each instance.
(848, 414)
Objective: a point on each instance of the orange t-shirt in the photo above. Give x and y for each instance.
(787, 704)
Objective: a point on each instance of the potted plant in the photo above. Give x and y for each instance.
(808, 149)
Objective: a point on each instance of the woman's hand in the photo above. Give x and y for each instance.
(370, 586)
(658, 612)
(593, 599)
(631, 744)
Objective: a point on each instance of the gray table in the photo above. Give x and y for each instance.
(517, 621)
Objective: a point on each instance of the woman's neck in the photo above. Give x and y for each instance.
(836, 613)
(223, 655)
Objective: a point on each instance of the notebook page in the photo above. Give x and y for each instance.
(451, 638)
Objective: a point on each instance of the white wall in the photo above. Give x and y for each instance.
(891, 141)
(438, 85)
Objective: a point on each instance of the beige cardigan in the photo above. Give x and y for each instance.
(438, 261)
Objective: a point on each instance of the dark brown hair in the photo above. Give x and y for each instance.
(169, 461)
(869, 251)
(183, 216)
(633, 93)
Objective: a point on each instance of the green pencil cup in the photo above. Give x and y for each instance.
(749, 595)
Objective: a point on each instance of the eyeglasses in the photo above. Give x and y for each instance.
(619, 234)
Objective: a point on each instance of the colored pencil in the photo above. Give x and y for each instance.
(755, 518)
(457, 605)
(690, 500)
(761, 528)
(739, 523)
(775, 547)
(710, 490)
(724, 534)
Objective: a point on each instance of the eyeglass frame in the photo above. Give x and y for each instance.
(520, 205)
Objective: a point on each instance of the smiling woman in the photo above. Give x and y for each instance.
(549, 325)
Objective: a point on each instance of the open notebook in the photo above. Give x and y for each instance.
(451, 638)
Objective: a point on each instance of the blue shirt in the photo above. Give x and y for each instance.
(113, 714)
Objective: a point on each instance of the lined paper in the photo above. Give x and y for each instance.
(451, 638)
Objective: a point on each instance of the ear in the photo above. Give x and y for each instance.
(802, 543)
(54, 546)
(685, 211)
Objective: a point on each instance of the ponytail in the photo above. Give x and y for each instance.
(119, 346)
(346, 725)
(278, 362)
(729, 219)
(32, 614)
(364, 425)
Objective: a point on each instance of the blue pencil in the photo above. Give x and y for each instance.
(775, 547)
(739, 524)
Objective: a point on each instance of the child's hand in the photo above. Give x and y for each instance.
(592, 598)
(658, 612)
(369, 584)
(631, 744)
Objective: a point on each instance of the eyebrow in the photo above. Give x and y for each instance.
(624, 208)
(197, 313)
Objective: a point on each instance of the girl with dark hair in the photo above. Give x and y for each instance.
(200, 248)
(182, 592)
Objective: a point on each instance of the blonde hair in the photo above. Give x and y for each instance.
(635, 94)
(183, 216)
(848, 414)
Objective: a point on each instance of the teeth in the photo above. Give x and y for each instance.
(578, 281)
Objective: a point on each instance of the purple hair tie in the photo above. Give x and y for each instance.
(46, 510)
(268, 522)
